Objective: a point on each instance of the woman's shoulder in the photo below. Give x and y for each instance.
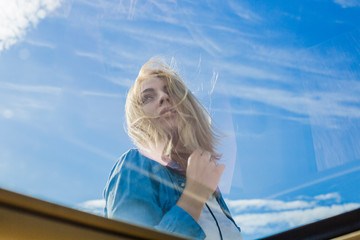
(131, 155)
(133, 170)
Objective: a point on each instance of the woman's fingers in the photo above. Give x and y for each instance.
(201, 158)
(203, 174)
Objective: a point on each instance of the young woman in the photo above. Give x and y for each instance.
(170, 180)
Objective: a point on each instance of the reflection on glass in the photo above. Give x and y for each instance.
(280, 81)
(170, 181)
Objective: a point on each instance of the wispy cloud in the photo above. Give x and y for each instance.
(289, 57)
(101, 94)
(90, 55)
(19, 101)
(31, 88)
(262, 217)
(316, 103)
(233, 30)
(132, 9)
(23, 108)
(16, 17)
(249, 71)
(348, 3)
(7, 113)
(244, 12)
(178, 24)
(88, 147)
(41, 44)
(300, 119)
(320, 180)
(158, 10)
(203, 40)
(127, 83)
(92, 206)
(144, 33)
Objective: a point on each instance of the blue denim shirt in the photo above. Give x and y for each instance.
(144, 192)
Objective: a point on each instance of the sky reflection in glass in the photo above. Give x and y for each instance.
(280, 79)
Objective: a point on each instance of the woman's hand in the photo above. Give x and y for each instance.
(202, 177)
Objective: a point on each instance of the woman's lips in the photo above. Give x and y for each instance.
(164, 111)
(167, 112)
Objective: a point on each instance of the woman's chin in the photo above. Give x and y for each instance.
(168, 123)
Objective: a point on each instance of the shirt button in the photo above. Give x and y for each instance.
(182, 184)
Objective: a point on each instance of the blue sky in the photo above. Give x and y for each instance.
(280, 78)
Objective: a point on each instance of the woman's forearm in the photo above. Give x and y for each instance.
(202, 178)
(191, 204)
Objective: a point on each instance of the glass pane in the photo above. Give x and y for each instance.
(280, 80)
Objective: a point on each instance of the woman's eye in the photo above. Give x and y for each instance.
(147, 98)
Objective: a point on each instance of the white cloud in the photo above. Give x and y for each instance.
(17, 16)
(329, 196)
(93, 206)
(261, 222)
(265, 204)
(99, 203)
(251, 216)
(263, 216)
(348, 3)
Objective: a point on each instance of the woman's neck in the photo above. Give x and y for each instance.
(154, 152)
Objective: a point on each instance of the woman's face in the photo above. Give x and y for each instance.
(156, 101)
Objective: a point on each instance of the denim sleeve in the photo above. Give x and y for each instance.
(132, 195)
(180, 222)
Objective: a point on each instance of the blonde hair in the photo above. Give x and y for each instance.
(194, 128)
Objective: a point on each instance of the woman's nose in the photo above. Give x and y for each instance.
(164, 98)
